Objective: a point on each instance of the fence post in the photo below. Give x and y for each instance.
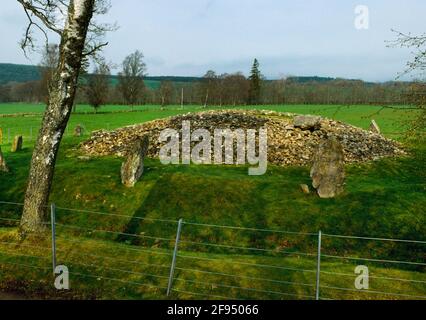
(172, 268)
(53, 223)
(317, 296)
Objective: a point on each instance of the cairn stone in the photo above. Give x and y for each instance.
(328, 170)
(307, 122)
(374, 127)
(17, 144)
(78, 131)
(3, 165)
(133, 167)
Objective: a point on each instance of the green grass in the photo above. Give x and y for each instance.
(385, 198)
(391, 121)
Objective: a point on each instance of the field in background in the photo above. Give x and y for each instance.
(391, 121)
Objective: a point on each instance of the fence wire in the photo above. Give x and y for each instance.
(203, 264)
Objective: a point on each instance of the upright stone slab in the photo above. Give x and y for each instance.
(374, 127)
(328, 169)
(78, 131)
(133, 167)
(3, 165)
(17, 144)
(305, 188)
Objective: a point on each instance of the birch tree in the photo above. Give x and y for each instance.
(72, 21)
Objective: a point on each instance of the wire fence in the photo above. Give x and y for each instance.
(144, 257)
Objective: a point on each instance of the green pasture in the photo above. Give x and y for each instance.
(391, 121)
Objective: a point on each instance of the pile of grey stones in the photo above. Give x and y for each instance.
(292, 139)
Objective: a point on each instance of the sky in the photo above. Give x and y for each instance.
(289, 38)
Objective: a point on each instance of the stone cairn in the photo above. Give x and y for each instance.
(17, 144)
(328, 169)
(3, 165)
(292, 139)
(133, 167)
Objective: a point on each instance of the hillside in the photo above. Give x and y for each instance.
(18, 73)
(24, 73)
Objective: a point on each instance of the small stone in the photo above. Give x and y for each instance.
(133, 167)
(374, 127)
(78, 131)
(305, 188)
(307, 122)
(328, 170)
(17, 144)
(3, 165)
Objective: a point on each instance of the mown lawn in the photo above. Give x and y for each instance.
(384, 198)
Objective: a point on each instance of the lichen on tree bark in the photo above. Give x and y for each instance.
(61, 97)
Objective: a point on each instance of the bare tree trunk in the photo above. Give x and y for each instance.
(61, 97)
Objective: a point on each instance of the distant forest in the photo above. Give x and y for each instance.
(23, 83)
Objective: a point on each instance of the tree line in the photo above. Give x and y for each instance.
(128, 87)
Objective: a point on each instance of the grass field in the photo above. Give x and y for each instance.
(384, 198)
(392, 122)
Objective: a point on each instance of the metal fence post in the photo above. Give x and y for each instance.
(317, 295)
(172, 268)
(53, 223)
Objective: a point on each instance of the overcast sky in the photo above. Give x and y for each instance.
(303, 37)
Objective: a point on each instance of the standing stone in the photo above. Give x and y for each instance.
(305, 188)
(374, 127)
(17, 144)
(3, 165)
(328, 170)
(78, 131)
(133, 167)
